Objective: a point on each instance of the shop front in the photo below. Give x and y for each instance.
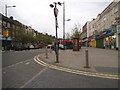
(89, 42)
(93, 43)
(107, 39)
(99, 43)
(110, 42)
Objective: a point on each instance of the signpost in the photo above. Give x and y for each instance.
(56, 26)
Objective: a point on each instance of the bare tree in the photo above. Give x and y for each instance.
(76, 31)
(68, 35)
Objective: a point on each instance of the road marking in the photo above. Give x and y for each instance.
(34, 77)
(27, 63)
(36, 58)
(72, 69)
(17, 63)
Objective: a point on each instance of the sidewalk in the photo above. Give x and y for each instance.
(100, 60)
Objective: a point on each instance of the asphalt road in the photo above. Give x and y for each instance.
(19, 67)
(13, 57)
(21, 71)
(51, 78)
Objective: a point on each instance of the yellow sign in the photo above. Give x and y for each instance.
(6, 33)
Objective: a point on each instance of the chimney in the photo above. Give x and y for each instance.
(11, 17)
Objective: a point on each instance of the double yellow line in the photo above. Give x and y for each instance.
(101, 75)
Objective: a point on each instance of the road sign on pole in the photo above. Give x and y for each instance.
(55, 12)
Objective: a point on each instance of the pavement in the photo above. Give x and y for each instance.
(100, 60)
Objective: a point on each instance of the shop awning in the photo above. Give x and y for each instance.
(110, 34)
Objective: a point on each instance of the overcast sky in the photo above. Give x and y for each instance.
(39, 15)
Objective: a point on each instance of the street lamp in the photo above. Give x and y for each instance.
(6, 9)
(56, 26)
(64, 19)
(6, 31)
(68, 20)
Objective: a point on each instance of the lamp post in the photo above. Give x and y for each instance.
(56, 26)
(6, 9)
(6, 31)
(64, 19)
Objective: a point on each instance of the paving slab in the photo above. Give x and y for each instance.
(98, 59)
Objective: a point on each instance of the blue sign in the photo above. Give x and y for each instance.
(104, 33)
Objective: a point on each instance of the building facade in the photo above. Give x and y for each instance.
(103, 30)
(13, 32)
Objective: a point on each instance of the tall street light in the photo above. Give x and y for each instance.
(56, 26)
(6, 7)
(6, 33)
(64, 19)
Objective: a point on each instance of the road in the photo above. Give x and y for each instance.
(13, 57)
(18, 67)
(21, 71)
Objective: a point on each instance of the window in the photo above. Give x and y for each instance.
(13, 26)
(4, 23)
(115, 10)
(8, 25)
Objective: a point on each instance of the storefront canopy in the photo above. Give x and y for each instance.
(110, 34)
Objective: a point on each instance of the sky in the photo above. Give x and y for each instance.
(39, 15)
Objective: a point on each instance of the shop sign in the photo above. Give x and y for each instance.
(101, 34)
(104, 33)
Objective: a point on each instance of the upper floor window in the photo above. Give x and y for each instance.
(8, 25)
(13, 26)
(4, 23)
(115, 10)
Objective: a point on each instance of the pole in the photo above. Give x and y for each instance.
(6, 10)
(56, 25)
(46, 52)
(6, 27)
(87, 60)
(64, 20)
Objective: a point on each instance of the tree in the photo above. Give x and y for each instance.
(68, 36)
(76, 31)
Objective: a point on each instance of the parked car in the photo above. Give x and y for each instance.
(18, 47)
(49, 46)
(61, 46)
(53, 47)
(40, 46)
(31, 47)
(36, 46)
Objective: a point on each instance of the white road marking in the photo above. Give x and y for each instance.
(27, 63)
(33, 77)
(17, 63)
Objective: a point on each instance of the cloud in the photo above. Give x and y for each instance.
(39, 14)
